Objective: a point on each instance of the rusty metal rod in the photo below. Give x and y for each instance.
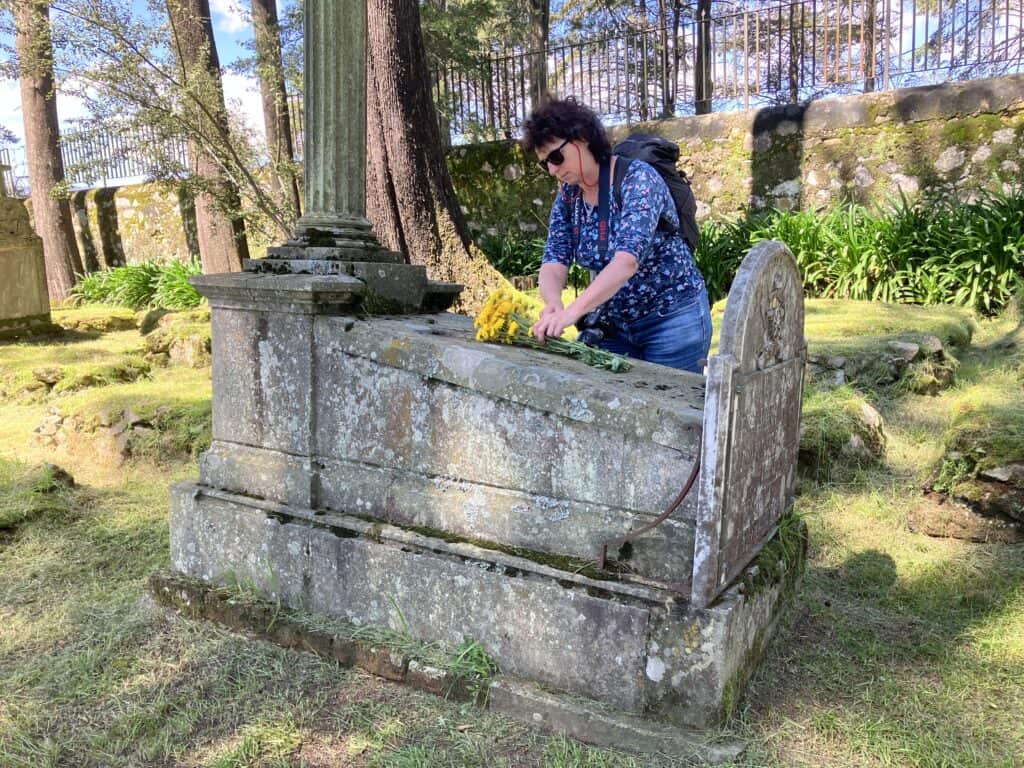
(619, 541)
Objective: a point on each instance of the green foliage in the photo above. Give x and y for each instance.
(723, 244)
(138, 286)
(172, 287)
(512, 257)
(931, 251)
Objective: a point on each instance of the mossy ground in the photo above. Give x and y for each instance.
(986, 428)
(900, 650)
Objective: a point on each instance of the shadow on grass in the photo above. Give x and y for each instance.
(66, 336)
(896, 656)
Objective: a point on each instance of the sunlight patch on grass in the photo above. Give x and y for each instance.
(257, 744)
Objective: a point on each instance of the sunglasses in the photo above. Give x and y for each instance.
(555, 156)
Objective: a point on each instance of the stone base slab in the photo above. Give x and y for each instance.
(635, 648)
(601, 726)
(581, 719)
(34, 325)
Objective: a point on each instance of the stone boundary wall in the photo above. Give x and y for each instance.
(867, 149)
(133, 223)
(153, 221)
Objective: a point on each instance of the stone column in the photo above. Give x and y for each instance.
(335, 104)
(334, 237)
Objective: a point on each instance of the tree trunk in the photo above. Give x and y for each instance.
(51, 210)
(222, 243)
(409, 193)
(270, 72)
(536, 45)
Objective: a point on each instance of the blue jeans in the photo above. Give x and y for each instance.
(678, 339)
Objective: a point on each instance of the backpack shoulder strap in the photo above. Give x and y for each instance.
(622, 164)
(603, 209)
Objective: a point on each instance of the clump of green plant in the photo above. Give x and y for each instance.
(723, 244)
(471, 663)
(934, 250)
(173, 290)
(137, 286)
(510, 256)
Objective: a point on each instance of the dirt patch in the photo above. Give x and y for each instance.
(938, 516)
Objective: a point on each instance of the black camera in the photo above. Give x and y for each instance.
(592, 328)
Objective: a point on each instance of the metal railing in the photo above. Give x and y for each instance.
(759, 53)
(94, 158)
(7, 186)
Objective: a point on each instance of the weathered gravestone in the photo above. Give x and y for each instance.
(392, 471)
(24, 300)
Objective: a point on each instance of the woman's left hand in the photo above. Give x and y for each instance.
(553, 324)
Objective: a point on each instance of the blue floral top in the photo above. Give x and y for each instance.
(667, 275)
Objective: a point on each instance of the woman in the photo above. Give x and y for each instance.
(652, 299)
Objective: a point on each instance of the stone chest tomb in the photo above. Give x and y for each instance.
(393, 471)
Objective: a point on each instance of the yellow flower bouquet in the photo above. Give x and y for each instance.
(508, 317)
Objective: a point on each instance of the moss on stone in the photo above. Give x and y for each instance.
(786, 552)
(94, 317)
(575, 565)
(780, 561)
(970, 130)
(75, 377)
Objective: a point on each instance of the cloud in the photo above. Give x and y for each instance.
(242, 95)
(10, 108)
(228, 16)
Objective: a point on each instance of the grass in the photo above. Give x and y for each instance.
(72, 355)
(901, 650)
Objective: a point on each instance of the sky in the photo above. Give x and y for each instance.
(230, 30)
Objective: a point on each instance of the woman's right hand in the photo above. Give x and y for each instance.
(549, 309)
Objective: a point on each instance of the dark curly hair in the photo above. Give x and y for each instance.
(565, 119)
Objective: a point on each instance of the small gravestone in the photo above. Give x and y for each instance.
(24, 300)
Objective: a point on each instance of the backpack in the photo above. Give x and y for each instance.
(662, 155)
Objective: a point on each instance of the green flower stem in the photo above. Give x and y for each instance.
(598, 358)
